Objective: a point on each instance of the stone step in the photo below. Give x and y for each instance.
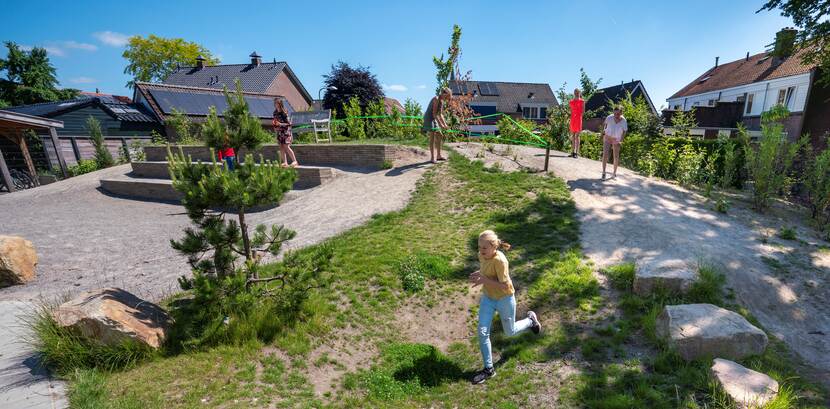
(307, 176)
(747, 388)
(670, 274)
(706, 330)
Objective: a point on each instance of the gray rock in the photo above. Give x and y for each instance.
(748, 388)
(675, 275)
(110, 315)
(701, 330)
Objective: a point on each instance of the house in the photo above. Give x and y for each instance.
(599, 105)
(122, 123)
(193, 90)
(738, 92)
(519, 100)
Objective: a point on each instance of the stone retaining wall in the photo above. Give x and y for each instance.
(369, 156)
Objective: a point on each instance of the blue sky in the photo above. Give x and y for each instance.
(666, 44)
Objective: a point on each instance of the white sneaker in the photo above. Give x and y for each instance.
(537, 326)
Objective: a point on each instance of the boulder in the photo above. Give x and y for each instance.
(17, 261)
(701, 330)
(674, 275)
(111, 315)
(747, 388)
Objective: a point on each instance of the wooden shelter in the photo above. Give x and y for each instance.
(12, 126)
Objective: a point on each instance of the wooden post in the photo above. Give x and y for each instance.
(4, 172)
(58, 151)
(547, 155)
(74, 142)
(24, 148)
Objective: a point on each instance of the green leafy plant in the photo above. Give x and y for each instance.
(787, 233)
(770, 163)
(83, 166)
(186, 132)
(414, 269)
(816, 182)
(355, 126)
(103, 157)
(688, 165)
(722, 205)
(683, 122)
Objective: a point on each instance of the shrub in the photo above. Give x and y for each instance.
(688, 165)
(722, 205)
(413, 270)
(590, 145)
(730, 164)
(103, 157)
(354, 125)
(770, 163)
(83, 166)
(186, 132)
(816, 182)
(520, 131)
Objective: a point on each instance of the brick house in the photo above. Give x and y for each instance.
(520, 100)
(194, 89)
(740, 91)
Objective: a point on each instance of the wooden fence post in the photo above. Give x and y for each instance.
(4, 172)
(58, 151)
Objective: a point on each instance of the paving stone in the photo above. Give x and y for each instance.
(748, 388)
(701, 330)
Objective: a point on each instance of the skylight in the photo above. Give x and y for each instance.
(704, 79)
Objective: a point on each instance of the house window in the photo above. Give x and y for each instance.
(740, 98)
(789, 98)
(749, 99)
(530, 112)
(782, 95)
(543, 113)
(526, 112)
(711, 102)
(677, 107)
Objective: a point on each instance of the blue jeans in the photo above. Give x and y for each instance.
(230, 161)
(506, 307)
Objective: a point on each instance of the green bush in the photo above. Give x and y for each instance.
(771, 162)
(687, 166)
(590, 145)
(103, 157)
(787, 233)
(83, 166)
(355, 127)
(817, 186)
(414, 269)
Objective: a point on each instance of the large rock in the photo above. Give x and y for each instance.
(701, 330)
(17, 261)
(111, 315)
(674, 275)
(749, 389)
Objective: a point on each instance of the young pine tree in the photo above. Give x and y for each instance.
(103, 157)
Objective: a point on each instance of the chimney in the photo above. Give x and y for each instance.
(255, 59)
(784, 43)
(747, 55)
(716, 61)
(200, 62)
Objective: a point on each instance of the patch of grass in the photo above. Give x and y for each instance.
(621, 275)
(64, 350)
(787, 233)
(387, 164)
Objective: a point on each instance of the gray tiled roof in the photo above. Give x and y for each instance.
(114, 106)
(512, 94)
(254, 78)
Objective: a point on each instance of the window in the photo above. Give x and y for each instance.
(789, 98)
(749, 99)
(543, 113)
(782, 94)
(526, 112)
(711, 102)
(531, 112)
(677, 107)
(740, 98)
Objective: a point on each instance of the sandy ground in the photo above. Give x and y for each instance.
(631, 216)
(86, 239)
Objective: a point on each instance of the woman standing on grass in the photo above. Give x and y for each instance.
(435, 124)
(497, 296)
(282, 126)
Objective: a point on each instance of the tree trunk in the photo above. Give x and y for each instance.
(246, 242)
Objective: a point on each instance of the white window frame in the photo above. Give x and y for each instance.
(750, 97)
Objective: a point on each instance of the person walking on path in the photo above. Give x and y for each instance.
(615, 127)
(282, 126)
(497, 296)
(435, 124)
(228, 155)
(577, 110)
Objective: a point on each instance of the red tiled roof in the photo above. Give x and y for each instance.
(759, 67)
(393, 104)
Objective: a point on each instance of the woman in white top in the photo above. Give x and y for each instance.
(613, 133)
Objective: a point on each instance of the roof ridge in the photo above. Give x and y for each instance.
(229, 65)
(509, 82)
(49, 102)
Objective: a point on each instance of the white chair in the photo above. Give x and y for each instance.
(322, 128)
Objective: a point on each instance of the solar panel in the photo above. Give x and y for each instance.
(200, 103)
(487, 88)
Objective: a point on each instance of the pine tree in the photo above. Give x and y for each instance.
(103, 157)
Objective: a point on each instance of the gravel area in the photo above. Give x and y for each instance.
(632, 216)
(86, 239)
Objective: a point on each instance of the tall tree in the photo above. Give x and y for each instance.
(30, 78)
(345, 82)
(811, 16)
(153, 58)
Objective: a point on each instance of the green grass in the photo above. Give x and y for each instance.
(787, 233)
(436, 234)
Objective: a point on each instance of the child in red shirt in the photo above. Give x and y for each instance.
(228, 155)
(577, 110)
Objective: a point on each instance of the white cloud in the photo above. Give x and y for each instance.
(112, 38)
(82, 80)
(25, 47)
(422, 86)
(79, 46)
(395, 87)
(55, 50)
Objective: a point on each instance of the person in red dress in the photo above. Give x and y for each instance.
(282, 125)
(228, 155)
(577, 110)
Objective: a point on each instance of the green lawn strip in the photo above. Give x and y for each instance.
(661, 378)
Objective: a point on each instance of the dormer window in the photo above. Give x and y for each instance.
(702, 80)
(530, 95)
